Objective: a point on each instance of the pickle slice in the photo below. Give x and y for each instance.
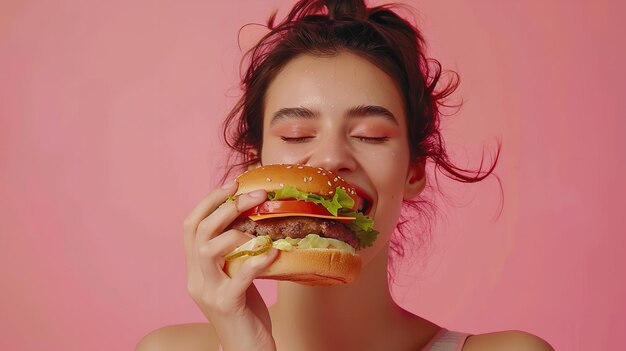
(253, 247)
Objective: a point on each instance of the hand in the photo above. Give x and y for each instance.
(232, 305)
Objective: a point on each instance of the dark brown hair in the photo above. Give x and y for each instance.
(378, 34)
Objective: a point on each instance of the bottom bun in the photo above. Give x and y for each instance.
(307, 266)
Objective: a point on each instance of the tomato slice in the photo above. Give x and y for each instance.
(287, 206)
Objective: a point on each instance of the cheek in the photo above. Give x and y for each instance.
(390, 196)
(269, 156)
(273, 151)
(391, 179)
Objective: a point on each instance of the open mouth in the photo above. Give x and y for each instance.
(364, 201)
(364, 205)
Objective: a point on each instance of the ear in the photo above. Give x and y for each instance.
(252, 154)
(415, 179)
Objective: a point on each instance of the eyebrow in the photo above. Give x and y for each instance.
(293, 112)
(371, 110)
(353, 112)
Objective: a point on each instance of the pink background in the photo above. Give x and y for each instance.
(109, 135)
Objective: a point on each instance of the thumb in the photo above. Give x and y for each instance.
(251, 269)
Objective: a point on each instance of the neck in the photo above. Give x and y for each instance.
(341, 315)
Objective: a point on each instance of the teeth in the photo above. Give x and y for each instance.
(362, 204)
(366, 206)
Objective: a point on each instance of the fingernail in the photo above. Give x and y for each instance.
(257, 193)
(229, 184)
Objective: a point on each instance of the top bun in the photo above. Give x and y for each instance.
(304, 178)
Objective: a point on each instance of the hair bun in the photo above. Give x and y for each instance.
(338, 9)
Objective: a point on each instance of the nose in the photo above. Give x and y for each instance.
(333, 154)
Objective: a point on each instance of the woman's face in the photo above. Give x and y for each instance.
(344, 114)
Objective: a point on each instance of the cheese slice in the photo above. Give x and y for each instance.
(278, 215)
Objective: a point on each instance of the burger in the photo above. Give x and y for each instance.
(313, 217)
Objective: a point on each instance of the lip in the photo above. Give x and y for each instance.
(360, 192)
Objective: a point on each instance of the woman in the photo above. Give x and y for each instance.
(347, 88)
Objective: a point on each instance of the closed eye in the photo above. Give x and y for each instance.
(372, 140)
(295, 140)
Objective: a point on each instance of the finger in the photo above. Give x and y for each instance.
(225, 214)
(211, 253)
(250, 270)
(203, 209)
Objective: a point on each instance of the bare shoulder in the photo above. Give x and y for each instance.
(183, 337)
(510, 340)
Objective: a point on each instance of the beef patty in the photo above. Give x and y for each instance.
(296, 227)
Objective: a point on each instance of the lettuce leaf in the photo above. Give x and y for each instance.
(340, 204)
(363, 227)
(340, 199)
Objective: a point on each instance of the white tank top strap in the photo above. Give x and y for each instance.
(446, 340)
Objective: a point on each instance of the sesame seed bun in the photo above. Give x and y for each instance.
(304, 178)
(307, 266)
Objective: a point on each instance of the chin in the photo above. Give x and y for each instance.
(371, 253)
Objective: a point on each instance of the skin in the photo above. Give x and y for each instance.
(367, 149)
